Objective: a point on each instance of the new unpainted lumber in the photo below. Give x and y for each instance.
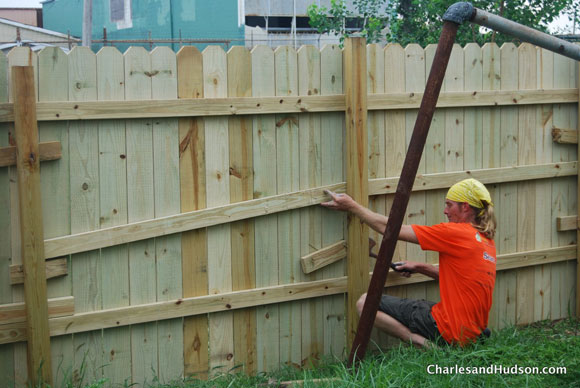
(355, 90)
(16, 312)
(157, 108)
(323, 257)
(31, 229)
(565, 135)
(136, 231)
(54, 268)
(46, 151)
(229, 301)
(193, 197)
(566, 223)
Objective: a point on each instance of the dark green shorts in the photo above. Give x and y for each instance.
(414, 314)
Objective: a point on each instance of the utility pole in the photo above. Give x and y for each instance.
(87, 22)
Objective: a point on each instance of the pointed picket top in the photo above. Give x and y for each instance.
(239, 62)
(215, 76)
(22, 56)
(163, 73)
(262, 49)
(414, 68)
(473, 67)
(286, 60)
(394, 55)
(108, 49)
(309, 70)
(110, 74)
(53, 74)
(527, 66)
(375, 65)
(137, 73)
(545, 69)
(454, 76)
(189, 81)
(263, 78)
(331, 69)
(82, 74)
(238, 48)
(429, 56)
(491, 66)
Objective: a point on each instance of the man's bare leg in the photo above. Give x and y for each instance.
(393, 327)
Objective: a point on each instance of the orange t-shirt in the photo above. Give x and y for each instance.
(466, 278)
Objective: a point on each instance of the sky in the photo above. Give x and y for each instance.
(560, 23)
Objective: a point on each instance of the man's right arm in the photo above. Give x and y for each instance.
(377, 222)
(415, 267)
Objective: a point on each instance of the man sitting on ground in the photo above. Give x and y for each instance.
(466, 270)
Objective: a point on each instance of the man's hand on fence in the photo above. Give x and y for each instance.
(342, 202)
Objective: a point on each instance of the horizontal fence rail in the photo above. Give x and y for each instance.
(100, 110)
(66, 323)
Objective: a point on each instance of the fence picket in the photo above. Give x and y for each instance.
(193, 197)
(491, 126)
(113, 211)
(266, 228)
(526, 190)
(415, 82)
(141, 206)
(218, 193)
(242, 172)
(167, 202)
(288, 172)
(54, 178)
(333, 223)
(310, 176)
(84, 192)
(507, 212)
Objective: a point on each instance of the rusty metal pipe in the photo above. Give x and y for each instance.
(403, 192)
(526, 34)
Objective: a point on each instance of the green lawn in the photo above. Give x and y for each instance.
(542, 344)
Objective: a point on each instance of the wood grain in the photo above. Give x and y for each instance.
(46, 151)
(96, 110)
(30, 211)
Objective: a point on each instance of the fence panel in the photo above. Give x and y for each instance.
(253, 306)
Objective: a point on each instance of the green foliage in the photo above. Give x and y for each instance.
(370, 21)
(542, 344)
(419, 21)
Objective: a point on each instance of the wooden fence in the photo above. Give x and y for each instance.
(180, 192)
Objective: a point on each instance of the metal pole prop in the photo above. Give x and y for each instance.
(455, 15)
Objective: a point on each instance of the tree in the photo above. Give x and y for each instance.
(368, 19)
(420, 21)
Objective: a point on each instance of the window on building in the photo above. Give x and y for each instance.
(117, 10)
(121, 13)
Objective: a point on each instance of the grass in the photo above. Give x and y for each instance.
(542, 344)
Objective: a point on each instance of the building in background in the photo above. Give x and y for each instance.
(149, 23)
(30, 16)
(14, 34)
(285, 22)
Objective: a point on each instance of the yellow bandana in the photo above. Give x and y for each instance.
(471, 191)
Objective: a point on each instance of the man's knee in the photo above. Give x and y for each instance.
(360, 303)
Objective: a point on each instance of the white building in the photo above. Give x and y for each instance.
(284, 22)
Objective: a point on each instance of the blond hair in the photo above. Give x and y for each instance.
(485, 220)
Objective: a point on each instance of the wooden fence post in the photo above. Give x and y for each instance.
(355, 87)
(28, 169)
(578, 219)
